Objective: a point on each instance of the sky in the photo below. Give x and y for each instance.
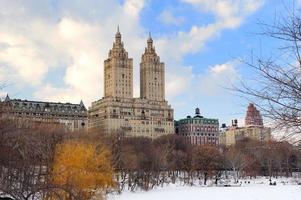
(53, 50)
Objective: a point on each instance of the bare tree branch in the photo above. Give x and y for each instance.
(277, 90)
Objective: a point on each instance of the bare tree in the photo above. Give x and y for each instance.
(26, 156)
(237, 160)
(207, 160)
(276, 88)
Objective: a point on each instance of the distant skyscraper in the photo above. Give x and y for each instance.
(253, 117)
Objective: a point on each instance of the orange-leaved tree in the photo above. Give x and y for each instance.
(81, 168)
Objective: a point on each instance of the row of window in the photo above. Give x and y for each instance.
(53, 115)
(201, 134)
(188, 128)
(201, 121)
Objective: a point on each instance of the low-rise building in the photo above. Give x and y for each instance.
(234, 134)
(253, 129)
(198, 129)
(72, 116)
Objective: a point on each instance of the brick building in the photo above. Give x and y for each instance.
(199, 130)
(253, 117)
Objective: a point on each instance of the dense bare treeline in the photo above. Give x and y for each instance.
(145, 163)
(25, 156)
(46, 162)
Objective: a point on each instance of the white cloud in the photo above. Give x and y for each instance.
(23, 56)
(229, 13)
(133, 7)
(218, 78)
(35, 37)
(73, 41)
(178, 82)
(167, 17)
(63, 43)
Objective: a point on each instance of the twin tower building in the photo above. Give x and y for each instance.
(118, 111)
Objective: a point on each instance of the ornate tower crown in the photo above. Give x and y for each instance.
(149, 41)
(118, 36)
(118, 48)
(150, 49)
(118, 71)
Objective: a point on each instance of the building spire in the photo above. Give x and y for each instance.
(149, 41)
(118, 36)
(81, 103)
(7, 98)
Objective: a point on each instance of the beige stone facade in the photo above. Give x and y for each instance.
(234, 134)
(152, 74)
(253, 129)
(118, 112)
(118, 71)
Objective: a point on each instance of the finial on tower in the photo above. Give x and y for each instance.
(118, 36)
(149, 41)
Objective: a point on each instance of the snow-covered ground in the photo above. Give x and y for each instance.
(287, 192)
(255, 190)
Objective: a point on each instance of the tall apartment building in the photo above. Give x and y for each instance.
(253, 117)
(199, 130)
(118, 112)
(152, 74)
(118, 71)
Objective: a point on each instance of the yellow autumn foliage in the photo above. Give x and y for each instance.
(83, 167)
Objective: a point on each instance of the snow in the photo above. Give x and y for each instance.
(172, 192)
(257, 189)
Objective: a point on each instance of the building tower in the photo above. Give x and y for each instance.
(253, 117)
(118, 71)
(119, 112)
(152, 75)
